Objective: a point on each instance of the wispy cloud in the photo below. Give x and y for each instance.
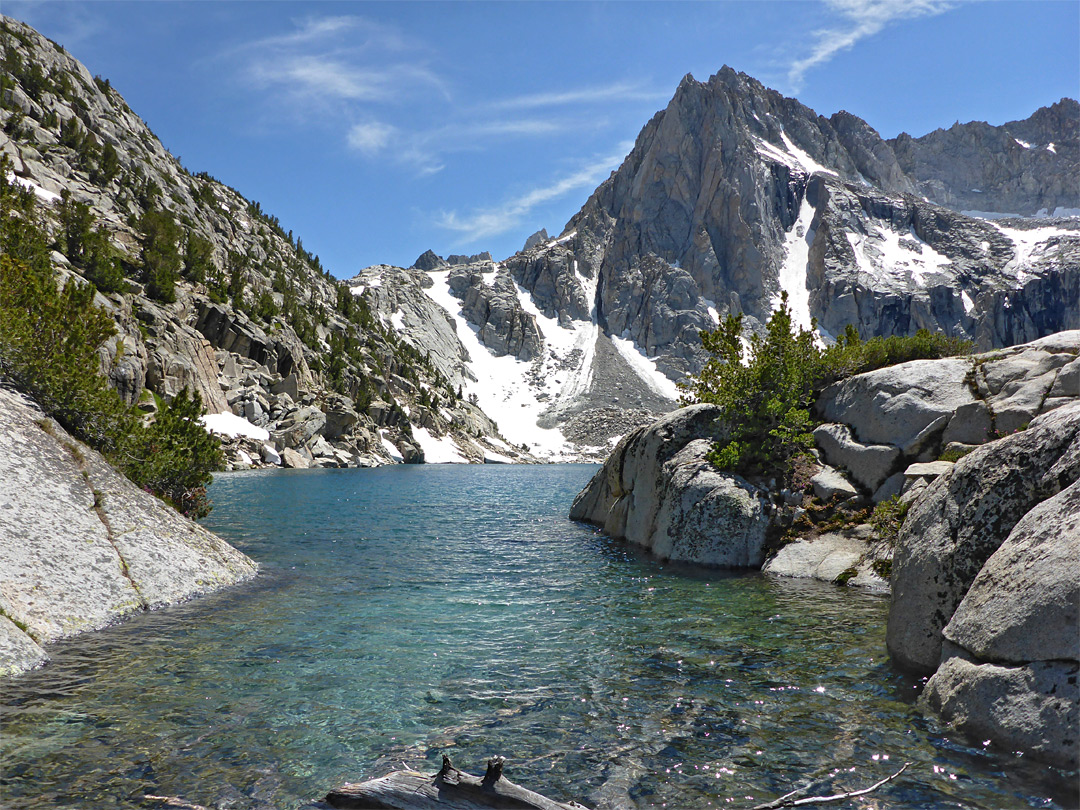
(371, 137)
(619, 91)
(328, 60)
(328, 77)
(394, 97)
(861, 19)
(425, 151)
(488, 222)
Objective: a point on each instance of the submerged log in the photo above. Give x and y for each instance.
(449, 789)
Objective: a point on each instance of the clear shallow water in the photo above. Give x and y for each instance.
(408, 611)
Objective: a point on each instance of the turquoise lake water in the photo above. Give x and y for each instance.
(406, 612)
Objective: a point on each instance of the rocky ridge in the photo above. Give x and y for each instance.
(1020, 168)
(257, 326)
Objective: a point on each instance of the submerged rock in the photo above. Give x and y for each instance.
(845, 557)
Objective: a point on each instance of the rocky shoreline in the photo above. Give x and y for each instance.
(984, 450)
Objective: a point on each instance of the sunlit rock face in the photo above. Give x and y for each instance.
(82, 546)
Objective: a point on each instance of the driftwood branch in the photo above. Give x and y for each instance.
(787, 801)
(449, 789)
(173, 803)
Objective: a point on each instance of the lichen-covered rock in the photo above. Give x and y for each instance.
(708, 517)
(658, 491)
(1011, 656)
(1025, 603)
(986, 590)
(893, 405)
(885, 420)
(636, 461)
(963, 518)
(81, 546)
(1031, 708)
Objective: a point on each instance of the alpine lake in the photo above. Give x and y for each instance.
(410, 611)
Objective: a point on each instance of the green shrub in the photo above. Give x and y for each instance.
(87, 247)
(48, 348)
(767, 391)
(49, 339)
(174, 457)
(887, 518)
(160, 255)
(765, 397)
(851, 355)
(198, 263)
(22, 233)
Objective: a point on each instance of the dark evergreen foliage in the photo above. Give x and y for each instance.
(767, 392)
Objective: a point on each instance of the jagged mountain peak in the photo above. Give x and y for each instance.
(733, 194)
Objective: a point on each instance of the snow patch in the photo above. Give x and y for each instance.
(1050, 148)
(229, 424)
(792, 276)
(502, 385)
(794, 157)
(646, 368)
(1024, 144)
(773, 152)
(40, 192)
(713, 313)
(900, 257)
(1028, 244)
(438, 449)
(398, 321)
(969, 305)
(990, 215)
(804, 158)
(390, 449)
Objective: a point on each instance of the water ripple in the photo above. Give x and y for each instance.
(405, 612)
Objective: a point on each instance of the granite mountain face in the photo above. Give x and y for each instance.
(731, 196)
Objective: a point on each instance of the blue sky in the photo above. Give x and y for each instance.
(375, 131)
